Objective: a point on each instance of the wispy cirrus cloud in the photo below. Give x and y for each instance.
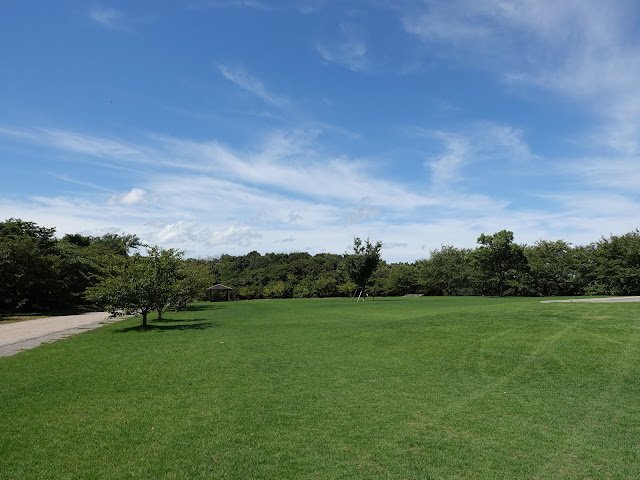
(110, 18)
(207, 198)
(586, 51)
(482, 142)
(253, 85)
(348, 48)
(76, 142)
(293, 163)
(303, 6)
(619, 173)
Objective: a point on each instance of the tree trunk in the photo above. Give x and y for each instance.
(160, 313)
(144, 318)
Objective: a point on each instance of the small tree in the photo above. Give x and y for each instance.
(362, 263)
(140, 283)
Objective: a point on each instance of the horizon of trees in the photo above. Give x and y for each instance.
(42, 273)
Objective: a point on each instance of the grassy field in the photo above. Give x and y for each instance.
(411, 388)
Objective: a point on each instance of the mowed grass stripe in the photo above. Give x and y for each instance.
(394, 388)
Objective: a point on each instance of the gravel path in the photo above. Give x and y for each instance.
(596, 300)
(18, 336)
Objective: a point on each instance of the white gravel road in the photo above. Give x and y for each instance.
(18, 336)
(595, 300)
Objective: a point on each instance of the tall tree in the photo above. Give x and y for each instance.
(498, 256)
(362, 263)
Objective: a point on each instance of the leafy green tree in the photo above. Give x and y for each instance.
(498, 257)
(77, 239)
(141, 283)
(402, 279)
(275, 289)
(446, 272)
(615, 265)
(195, 277)
(27, 273)
(553, 268)
(363, 262)
(118, 244)
(28, 263)
(304, 289)
(14, 227)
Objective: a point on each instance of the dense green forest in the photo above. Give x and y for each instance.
(43, 273)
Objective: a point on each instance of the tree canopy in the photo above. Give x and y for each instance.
(498, 257)
(40, 273)
(141, 284)
(363, 262)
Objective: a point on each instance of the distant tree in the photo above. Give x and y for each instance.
(141, 284)
(362, 263)
(402, 279)
(498, 257)
(195, 277)
(14, 227)
(446, 272)
(118, 244)
(553, 268)
(77, 239)
(616, 265)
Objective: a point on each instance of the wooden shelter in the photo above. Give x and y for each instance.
(218, 287)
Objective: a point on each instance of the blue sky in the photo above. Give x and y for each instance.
(278, 126)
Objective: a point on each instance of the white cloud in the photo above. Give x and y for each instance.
(133, 197)
(176, 233)
(292, 163)
(241, 235)
(446, 167)
(286, 190)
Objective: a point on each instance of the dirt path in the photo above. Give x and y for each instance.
(18, 336)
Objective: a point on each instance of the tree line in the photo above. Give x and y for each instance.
(40, 272)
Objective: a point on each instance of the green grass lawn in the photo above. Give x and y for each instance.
(396, 388)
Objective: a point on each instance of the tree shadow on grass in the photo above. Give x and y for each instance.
(204, 307)
(170, 325)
